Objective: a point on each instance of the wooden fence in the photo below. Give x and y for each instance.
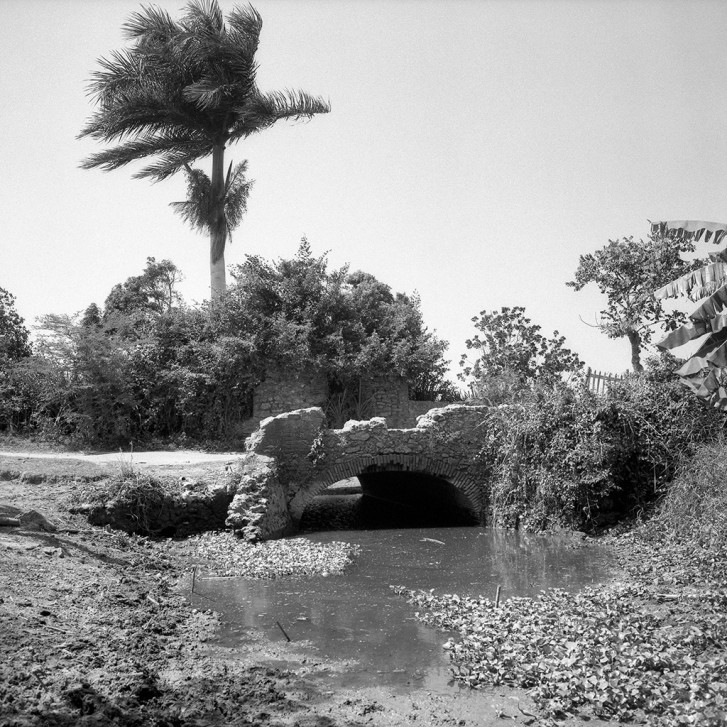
(598, 381)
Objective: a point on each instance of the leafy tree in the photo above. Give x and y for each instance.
(185, 90)
(151, 293)
(349, 325)
(91, 316)
(513, 354)
(13, 333)
(627, 272)
(95, 399)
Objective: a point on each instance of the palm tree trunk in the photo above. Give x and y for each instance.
(218, 232)
(635, 341)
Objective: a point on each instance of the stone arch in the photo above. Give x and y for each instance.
(293, 457)
(354, 466)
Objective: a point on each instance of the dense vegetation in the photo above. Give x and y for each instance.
(563, 456)
(147, 367)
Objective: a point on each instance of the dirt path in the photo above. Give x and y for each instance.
(96, 630)
(152, 459)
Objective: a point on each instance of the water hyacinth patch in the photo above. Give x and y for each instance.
(596, 652)
(222, 554)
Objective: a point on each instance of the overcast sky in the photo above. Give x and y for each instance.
(474, 150)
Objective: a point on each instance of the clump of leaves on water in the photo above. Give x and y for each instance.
(593, 652)
(653, 650)
(223, 554)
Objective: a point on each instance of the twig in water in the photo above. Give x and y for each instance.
(216, 578)
(497, 598)
(194, 577)
(55, 628)
(433, 540)
(283, 630)
(527, 714)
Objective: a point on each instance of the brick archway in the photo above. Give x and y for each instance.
(464, 483)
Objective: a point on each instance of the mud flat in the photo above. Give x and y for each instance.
(97, 630)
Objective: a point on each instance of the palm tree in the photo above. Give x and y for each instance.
(182, 91)
(202, 212)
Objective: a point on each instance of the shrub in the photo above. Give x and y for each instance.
(565, 457)
(547, 460)
(131, 500)
(694, 508)
(13, 333)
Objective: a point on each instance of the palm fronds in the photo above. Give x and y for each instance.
(696, 284)
(184, 90)
(150, 23)
(262, 110)
(200, 209)
(173, 152)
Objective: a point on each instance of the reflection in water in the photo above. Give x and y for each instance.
(356, 616)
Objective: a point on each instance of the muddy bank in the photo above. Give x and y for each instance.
(96, 630)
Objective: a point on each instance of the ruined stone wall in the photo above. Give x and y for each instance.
(387, 397)
(381, 396)
(277, 466)
(286, 390)
(418, 408)
(444, 443)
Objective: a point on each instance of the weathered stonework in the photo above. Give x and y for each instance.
(184, 509)
(292, 458)
(387, 397)
(286, 390)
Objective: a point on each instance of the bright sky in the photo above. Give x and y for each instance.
(474, 150)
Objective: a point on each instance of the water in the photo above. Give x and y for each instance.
(357, 619)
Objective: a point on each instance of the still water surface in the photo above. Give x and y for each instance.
(357, 619)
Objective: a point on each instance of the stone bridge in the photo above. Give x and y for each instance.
(292, 458)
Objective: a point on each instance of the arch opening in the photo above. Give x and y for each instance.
(390, 498)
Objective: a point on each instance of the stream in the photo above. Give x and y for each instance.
(357, 621)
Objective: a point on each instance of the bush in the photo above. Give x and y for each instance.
(564, 457)
(547, 460)
(694, 508)
(144, 504)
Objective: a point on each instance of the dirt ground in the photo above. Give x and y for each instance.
(95, 629)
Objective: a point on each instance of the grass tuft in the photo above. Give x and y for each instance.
(694, 508)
